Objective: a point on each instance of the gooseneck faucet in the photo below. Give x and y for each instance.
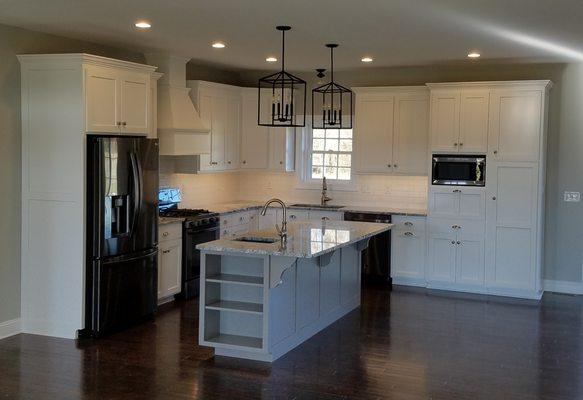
(283, 231)
(325, 197)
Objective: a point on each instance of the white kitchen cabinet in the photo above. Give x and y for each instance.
(220, 109)
(294, 214)
(411, 134)
(391, 130)
(456, 252)
(254, 138)
(169, 260)
(326, 215)
(117, 101)
(153, 106)
(513, 210)
(459, 118)
(516, 124)
(408, 250)
(452, 201)
(282, 149)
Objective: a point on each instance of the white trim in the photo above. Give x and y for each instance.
(563, 286)
(383, 89)
(544, 84)
(81, 58)
(9, 328)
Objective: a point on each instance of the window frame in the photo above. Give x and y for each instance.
(305, 161)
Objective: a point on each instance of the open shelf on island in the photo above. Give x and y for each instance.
(238, 306)
(236, 279)
(236, 340)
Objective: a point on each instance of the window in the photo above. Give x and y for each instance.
(331, 154)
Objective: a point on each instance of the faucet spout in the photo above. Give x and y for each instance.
(282, 232)
(325, 197)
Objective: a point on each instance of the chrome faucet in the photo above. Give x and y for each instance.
(325, 197)
(283, 231)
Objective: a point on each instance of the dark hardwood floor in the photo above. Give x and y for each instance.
(408, 344)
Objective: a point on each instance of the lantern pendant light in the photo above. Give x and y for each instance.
(281, 96)
(333, 101)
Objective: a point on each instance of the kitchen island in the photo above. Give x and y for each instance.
(260, 298)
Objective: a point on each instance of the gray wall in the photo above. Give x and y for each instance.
(564, 221)
(15, 41)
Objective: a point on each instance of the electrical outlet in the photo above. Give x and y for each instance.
(572, 196)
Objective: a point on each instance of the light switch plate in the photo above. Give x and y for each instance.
(572, 196)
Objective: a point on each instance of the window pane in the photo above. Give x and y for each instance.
(346, 133)
(318, 144)
(331, 173)
(344, 160)
(318, 159)
(331, 160)
(331, 145)
(344, 174)
(318, 133)
(345, 145)
(317, 173)
(331, 133)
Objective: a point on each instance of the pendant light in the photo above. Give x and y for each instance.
(332, 103)
(282, 96)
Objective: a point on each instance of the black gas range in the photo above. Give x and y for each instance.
(199, 226)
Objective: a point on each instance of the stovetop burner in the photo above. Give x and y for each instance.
(185, 213)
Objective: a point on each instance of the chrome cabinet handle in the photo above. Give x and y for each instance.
(458, 242)
(408, 234)
(453, 242)
(407, 223)
(165, 234)
(325, 219)
(165, 251)
(455, 144)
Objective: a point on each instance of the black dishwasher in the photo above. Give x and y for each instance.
(376, 259)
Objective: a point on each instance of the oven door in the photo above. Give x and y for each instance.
(459, 170)
(191, 258)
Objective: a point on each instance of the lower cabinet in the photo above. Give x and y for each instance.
(456, 252)
(408, 250)
(170, 261)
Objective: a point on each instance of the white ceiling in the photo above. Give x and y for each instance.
(394, 32)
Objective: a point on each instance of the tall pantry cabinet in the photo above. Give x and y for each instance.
(489, 239)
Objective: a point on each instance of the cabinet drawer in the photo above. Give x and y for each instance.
(327, 215)
(409, 223)
(170, 231)
(234, 231)
(456, 226)
(237, 218)
(298, 215)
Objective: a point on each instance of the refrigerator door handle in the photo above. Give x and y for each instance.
(136, 175)
(126, 259)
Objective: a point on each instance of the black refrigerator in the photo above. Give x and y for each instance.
(122, 233)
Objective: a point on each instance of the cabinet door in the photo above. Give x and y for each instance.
(444, 201)
(515, 125)
(441, 256)
(134, 102)
(232, 132)
(470, 259)
(511, 219)
(408, 250)
(445, 117)
(277, 147)
(472, 203)
(374, 133)
(474, 121)
(101, 100)
(254, 138)
(170, 268)
(411, 134)
(298, 215)
(213, 111)
(153, 109)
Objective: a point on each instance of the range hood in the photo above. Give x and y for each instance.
(180, 129)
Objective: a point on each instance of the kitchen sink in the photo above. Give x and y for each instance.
(256, 239)
(319, 206)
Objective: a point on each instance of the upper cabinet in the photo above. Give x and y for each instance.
(516, 123)
(391, 130)
(254, 138)
(117, 100)
(220, 109)
(459, 119)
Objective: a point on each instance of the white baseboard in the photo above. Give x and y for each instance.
(563, 286)
(9, 328)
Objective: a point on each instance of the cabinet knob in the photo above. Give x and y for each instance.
(244, 162)
(228, 162)
(281, 163)
(395, 165)
(118, 123)
(389, 165)
(493, 197)
(461, 144)
(124, 123)
(455, 144)
(453, 242)
(292, 217)
(458, 242)
(495, 151)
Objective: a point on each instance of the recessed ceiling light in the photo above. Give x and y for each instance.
(219, 45)
(366, 59)
(271, 59)
(474, 54)
(143, 25)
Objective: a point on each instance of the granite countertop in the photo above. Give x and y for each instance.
(306, 239)
(237, 206)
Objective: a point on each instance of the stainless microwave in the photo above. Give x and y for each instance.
(457, 169)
